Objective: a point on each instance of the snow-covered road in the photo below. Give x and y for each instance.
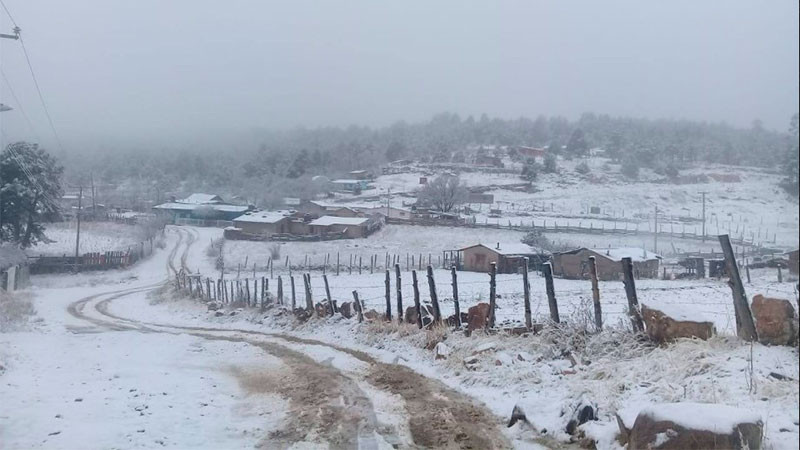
(87, 378)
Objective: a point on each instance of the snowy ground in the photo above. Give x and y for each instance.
(755, 207)
(95, 237)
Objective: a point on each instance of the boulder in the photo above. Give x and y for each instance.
(694, 426)
(583, 411)
(477, 316)
(661, 328)
(302, 314)
(322, 309)
(451, 321)
(427, 314)
(442, 351)
(775, 320)
(214, 306)
(371, 314)
(346, 309)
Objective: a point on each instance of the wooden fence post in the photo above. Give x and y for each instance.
(280, 290)
(328, 294)
(630, 292)
(526, 292)
(598, 312)
(492, 295)
(780, 275)
(337, 263)
(247, 290)
(399, 288)
(357, 305)
(307, 284)
(551, 292)
(745, 326)
(455, 296)
(437, 313)
(387, 294)
(294, 298)
(417, 305)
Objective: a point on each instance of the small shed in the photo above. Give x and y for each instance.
(14, 269)
(264, 223)
(508, 257)
(574, 264)
(349, 185)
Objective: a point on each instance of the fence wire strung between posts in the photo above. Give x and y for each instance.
(313, 296)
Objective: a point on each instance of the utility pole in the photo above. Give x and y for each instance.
(655, 234)
(4, 108)
(78, 235)
(704, 215)
(388, 199)
(94, 203)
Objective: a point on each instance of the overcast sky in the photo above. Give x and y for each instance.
(178, 68)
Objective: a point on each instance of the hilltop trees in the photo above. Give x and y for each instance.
(30, 188)
(790, 159)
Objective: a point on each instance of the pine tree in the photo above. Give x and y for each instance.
(30, 190)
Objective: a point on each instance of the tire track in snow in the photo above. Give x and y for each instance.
(459, 421)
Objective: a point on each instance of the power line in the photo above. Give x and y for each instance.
(8, 13)
(33, 76)
(19, 105)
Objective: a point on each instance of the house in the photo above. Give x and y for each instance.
(508, 257)
(264, 223)
(201, 207)
(574, 264)
(359, 175)
(488, 160)
(311, 208)
(343, 211)
(349, 185)
(531, 152)
(14, 269)
(389, 212)
(349, 227)
(793, 260)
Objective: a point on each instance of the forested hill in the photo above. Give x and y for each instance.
(294, 154)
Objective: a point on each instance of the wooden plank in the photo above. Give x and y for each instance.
(598, 313)
(630, 291)
(526, 294)
(437, 313)
(551, 292)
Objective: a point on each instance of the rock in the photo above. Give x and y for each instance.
(427, 314)
(442, 351)
(321, 309)
(662, 328)
(503, 359)
(524, 356)
(485, 347)
(517, 414)
(584, 411)
(471, 362)
(451, 321)
(214, 306)
(477, 316)
(690, 426)
(346, 309)
(302, 314)
(371, 314)
(219, 314)
(233, 313)
(775, 320)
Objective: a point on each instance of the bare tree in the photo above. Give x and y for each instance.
(444, 193)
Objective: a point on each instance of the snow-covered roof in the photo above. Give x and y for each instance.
(347, 181)
(332, 220)
(263, 216)
(635, 254)
(509, 249)
(201, 199)
(175, 206)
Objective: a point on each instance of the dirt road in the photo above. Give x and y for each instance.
(344, 398)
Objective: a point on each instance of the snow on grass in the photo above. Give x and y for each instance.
(95, 237)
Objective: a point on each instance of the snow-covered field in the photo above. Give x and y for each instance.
(755, 206)
(95, 237)
(119, 371)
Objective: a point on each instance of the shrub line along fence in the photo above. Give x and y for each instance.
(256, 292)
(92, 261)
